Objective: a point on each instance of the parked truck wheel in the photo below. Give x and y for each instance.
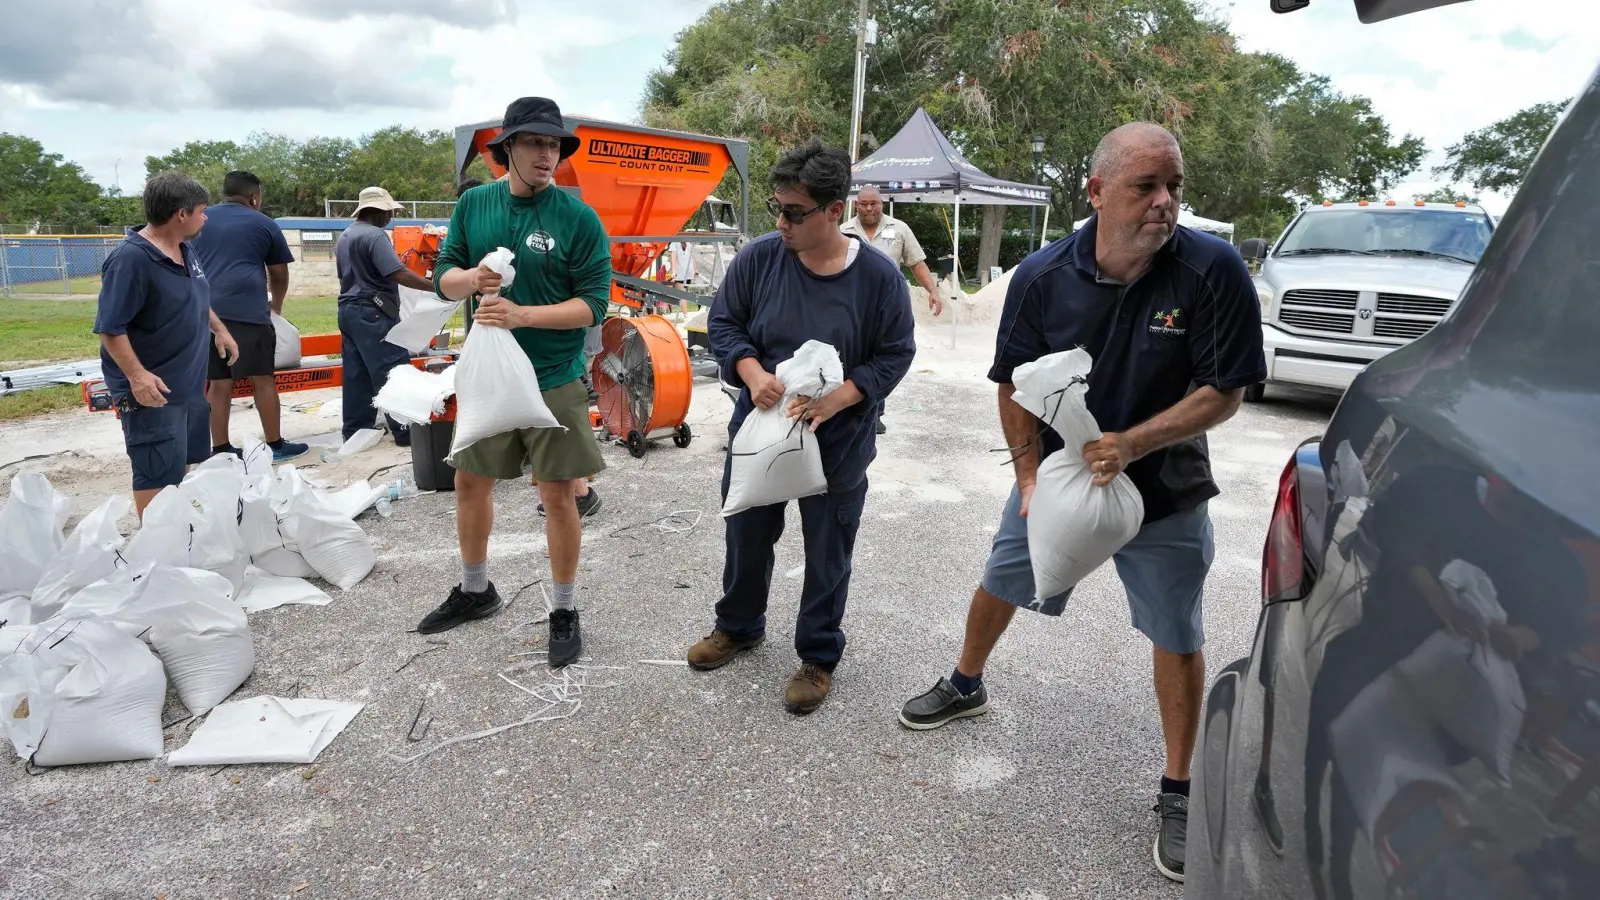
(1255, 392)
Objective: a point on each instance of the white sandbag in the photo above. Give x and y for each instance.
(286, 349)
(283, 562)
(27, 695)
(496, 388)
(264, 523)
(1073, 526)
(331, 543)
(411, 396)
(187, 616)
(263, 590)
(16, 611)
(257, 457)
(90, 554)
(30, 532)
(165, 533)
(258, 523)
(106, 705)
(428, 316)
(776, 458)
(215, 488)
(266, 730)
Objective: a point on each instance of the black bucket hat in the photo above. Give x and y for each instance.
(536, 115)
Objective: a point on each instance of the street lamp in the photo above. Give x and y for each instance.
(1033, 211)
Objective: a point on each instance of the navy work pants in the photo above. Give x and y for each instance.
(829, 523)
(367, 360)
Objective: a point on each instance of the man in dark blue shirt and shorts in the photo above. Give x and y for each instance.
(1174, 327)
(245, 257)
(806, 281)
(156, 329)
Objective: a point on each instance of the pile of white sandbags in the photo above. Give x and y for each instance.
(95, 626)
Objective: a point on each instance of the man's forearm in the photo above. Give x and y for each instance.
(277, 287)
(925, 278)
(568, 315)
(407, 278)
(455, 284)
(1190, 417)
(1021, 429)
(122, 352)
(216, 324)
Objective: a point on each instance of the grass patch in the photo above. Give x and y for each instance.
(38, 332)
(37, 402)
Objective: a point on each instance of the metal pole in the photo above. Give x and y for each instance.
(1045, 232)
(955, 272)
(61, 260)
(858, 86)
(5, 264)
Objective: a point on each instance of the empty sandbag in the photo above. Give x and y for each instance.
(30, 532)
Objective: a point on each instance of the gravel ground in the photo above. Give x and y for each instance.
(672, 783)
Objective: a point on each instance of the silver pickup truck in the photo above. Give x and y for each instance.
(1349, 282)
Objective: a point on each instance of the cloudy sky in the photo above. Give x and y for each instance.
(107, 82)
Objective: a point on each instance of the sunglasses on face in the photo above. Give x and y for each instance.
(795, 216)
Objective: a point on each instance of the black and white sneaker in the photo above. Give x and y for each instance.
(942, 704)
(566, 638)
(461, 606)
(1173, 834)
(588, 504)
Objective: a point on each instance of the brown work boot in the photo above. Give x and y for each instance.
(718, 648)
(808, 687)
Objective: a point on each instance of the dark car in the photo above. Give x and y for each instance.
(1420, 716)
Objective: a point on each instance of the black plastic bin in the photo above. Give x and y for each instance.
(430, 444)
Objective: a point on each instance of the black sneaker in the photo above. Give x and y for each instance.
(461, 606)
(881, 428)
(566, 638)
(1267, 812)
(942, 704)
(402, 435)
(1173, 834)
(588, 505)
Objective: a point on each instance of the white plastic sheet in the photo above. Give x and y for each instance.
(411, 396)
(90, 554)
(286, 350)
(30, 532)
(99, 695)
(1073, 526)
(263, 591)
(360, 442)
(266, 730)
(427, 318)
(496, 388)
(776, 458)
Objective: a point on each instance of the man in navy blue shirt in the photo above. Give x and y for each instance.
(156, 329)
(806, 281)
(1172, 322)
(247, 261)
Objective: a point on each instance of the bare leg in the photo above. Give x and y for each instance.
(266, 391)
(987, 619)
(562, 527)
(580, 488)
(219, 394)
(474, 516)
(141, 499)
(1180, 680)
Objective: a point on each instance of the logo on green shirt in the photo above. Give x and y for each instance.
(541, 242)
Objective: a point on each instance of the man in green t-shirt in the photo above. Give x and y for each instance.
(562, 287)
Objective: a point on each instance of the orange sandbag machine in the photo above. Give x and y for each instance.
(646, 184)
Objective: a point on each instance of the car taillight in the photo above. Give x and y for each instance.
(1283, 562)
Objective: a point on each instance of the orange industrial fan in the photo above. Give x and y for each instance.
(643, 380)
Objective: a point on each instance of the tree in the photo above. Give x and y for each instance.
(1496, 158)
(1446, 194)
(43, 187)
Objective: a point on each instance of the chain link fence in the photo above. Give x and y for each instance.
(415, 209)
(53, 265)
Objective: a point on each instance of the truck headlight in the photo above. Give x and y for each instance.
(1266, 295)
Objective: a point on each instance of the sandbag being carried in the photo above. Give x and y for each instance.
(776, 458)
(1073, 526)
(90, 554)
(30, 532)
(496, 388)
(286, 349)
(187, 616)
(82, 692)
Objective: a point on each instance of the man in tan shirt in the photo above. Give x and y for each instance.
(894, 238)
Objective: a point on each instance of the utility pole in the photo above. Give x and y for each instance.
(858, 89)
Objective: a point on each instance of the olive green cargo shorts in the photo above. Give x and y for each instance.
(555, 455)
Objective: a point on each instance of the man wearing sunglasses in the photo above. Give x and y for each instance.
(806, 281)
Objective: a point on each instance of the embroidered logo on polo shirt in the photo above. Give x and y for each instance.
(541, 242)
(1166, 322)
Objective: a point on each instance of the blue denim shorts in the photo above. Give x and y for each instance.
(163, 441)
(1163, 570)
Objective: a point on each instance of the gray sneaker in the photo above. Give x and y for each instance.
(942, 704)
(1173, 834)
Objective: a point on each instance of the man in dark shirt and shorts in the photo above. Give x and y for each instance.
(1174, 326)
(562, 287)
(156, 329)
(369, 305)
(806, 281)
(245, 257)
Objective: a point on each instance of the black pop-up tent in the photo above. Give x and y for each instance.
(920, 165)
